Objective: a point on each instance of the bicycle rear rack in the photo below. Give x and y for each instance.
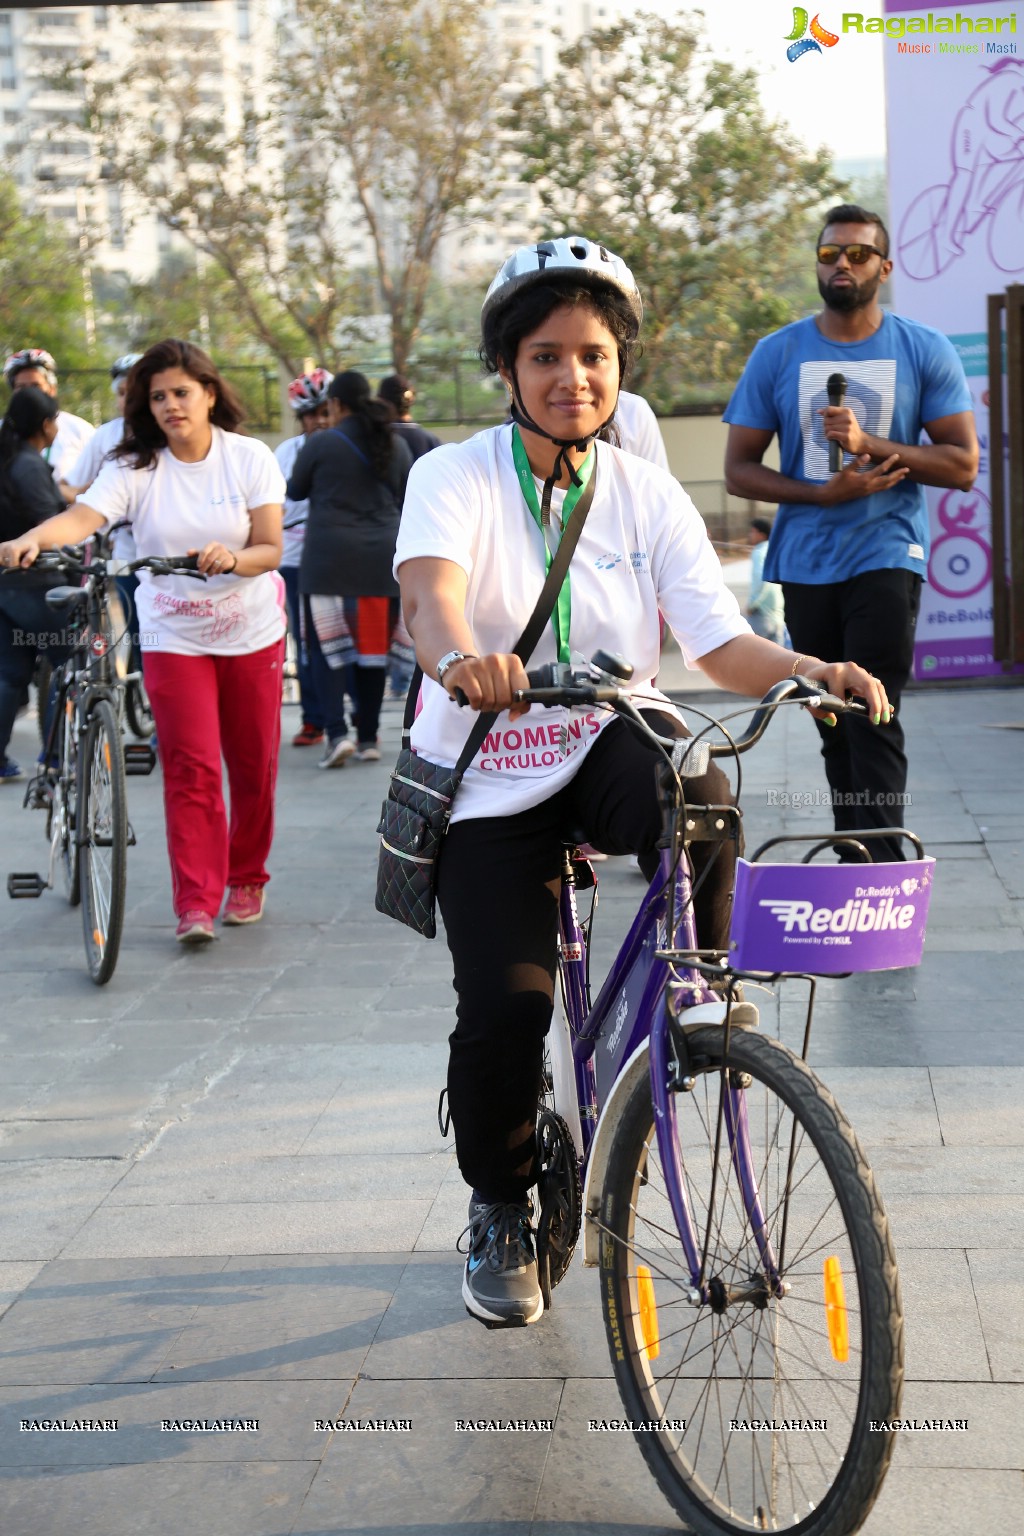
(25, 886)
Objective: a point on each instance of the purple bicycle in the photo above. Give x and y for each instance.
(748, 1279)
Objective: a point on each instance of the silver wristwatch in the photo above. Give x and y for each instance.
(449, 661)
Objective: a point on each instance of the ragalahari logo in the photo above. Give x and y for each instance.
(800, 43)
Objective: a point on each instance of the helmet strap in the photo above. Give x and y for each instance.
(521, 416)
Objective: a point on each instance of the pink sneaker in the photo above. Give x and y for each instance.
(195, 928)
(244, 905)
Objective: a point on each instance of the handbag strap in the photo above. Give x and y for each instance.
(527, 642)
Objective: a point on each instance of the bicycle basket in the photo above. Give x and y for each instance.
(829, 919)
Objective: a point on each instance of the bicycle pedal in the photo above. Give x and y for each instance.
(139, 759)
(38, 794)
(25, 886)
(512, 1322)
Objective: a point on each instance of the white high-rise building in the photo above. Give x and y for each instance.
(532, 33)
(59, 169)
(57, 164)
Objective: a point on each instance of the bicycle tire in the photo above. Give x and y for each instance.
(41, 679)
(62, 826)
(103, 850)
(811, 1483)
(138, 712)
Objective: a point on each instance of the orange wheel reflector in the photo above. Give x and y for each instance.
(648, 1311)
(106, 754)
(835, 1310)
(97, 938)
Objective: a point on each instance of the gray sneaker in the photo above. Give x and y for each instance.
(501, 1286)
(337, 753)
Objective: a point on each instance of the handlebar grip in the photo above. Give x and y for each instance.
(460, 698)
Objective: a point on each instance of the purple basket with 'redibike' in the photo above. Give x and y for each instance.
(829, 919)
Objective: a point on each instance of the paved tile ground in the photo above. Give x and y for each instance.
(223, 1192)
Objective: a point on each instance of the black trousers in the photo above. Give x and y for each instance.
(869, 619)
(498, 887)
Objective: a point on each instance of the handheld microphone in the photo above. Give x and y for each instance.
(836, 387)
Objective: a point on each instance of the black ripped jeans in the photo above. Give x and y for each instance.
(869, 619)
(498, 887)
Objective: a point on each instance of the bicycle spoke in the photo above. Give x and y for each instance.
(745, 1355)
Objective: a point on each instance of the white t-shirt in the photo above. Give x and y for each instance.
(638, 429)
(643, 547)
(174, 507)
(295, 512)
(73, 432)
(88, 465)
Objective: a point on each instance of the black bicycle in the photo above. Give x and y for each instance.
(80, 783)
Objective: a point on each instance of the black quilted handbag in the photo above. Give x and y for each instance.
(414, 819)
(415, 815)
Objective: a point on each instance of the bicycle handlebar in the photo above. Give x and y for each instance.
(70, 560)
(558, 683)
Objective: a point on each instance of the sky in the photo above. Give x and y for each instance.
(834, 98)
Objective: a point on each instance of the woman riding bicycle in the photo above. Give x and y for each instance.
(560, 324)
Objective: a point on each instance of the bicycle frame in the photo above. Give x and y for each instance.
(637, 984)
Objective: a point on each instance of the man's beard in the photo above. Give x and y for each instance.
(849, 296)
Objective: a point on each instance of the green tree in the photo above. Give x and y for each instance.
(667, 156)
(374, 124)
(42, 302)
(405, 103)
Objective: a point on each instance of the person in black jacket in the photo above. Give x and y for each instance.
(353, 476)
(399, 393)
(28, 496)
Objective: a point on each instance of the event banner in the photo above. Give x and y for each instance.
(828, 919)
(955, 116)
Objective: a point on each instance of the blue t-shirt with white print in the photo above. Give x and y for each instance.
(897, 379)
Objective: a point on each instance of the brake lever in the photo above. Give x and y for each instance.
(814, 697)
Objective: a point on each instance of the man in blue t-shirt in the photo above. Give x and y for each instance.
(851, 548)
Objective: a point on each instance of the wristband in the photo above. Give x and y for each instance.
(451, 659)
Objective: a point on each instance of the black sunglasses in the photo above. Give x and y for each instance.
(856, 254)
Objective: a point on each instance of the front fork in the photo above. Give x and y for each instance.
(669, 1077)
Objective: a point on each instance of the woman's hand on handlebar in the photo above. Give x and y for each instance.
(846, 678)
(18, 552)
(488, 683)
(215, 559)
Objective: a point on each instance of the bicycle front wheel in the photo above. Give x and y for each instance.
(103, 850)
(766, 1377)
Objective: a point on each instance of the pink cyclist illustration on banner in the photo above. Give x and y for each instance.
(961, 558)
(986, 187)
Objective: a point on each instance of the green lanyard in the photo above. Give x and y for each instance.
(562, 614)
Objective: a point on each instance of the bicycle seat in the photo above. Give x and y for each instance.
(59, 597)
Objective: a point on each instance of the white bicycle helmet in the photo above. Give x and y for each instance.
(309, 391)
(31, 357)
(123, 365)
(587, 264)
(571, 256)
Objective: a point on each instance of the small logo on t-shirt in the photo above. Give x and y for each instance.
(609, 561)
